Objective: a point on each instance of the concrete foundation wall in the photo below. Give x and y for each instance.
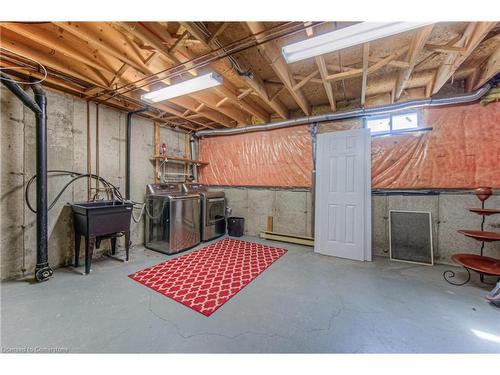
(292, 213)
(67, 149)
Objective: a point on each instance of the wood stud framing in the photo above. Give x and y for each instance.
(322, 69)
(420, 37)
(102, 57)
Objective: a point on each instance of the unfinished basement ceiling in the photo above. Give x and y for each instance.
(116, 62)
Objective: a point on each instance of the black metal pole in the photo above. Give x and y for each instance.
(20, 93)
(128, 150)
(42, 268)
(39, 107)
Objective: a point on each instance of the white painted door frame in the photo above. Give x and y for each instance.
(343, 202)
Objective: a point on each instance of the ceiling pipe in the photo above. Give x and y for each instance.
(39, 107)
(432, 102)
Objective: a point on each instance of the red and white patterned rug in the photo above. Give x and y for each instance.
(207, 278)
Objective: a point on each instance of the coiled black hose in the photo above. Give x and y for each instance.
(112, 191)
(108, 185)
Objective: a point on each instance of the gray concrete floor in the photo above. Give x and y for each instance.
(303, 303)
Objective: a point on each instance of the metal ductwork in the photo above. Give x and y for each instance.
(39, 107)
(128, 150)
(432, 102)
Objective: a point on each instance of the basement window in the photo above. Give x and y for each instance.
(389, 124)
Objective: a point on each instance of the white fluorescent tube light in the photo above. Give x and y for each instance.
(182, 88)
(347, 37)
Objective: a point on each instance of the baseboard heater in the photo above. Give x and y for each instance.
(290, 238)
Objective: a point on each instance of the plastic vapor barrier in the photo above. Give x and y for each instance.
(462, 151)
(280, 157)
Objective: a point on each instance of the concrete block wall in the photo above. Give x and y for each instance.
(292, 212)
(291, 209)
(67, 149)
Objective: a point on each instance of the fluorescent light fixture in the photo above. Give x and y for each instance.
(347, 37)
(182, 88)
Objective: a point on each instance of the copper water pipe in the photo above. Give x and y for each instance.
(89, 154)
(97, 149)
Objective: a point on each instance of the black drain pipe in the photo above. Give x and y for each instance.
(39, 107)
(128, 150)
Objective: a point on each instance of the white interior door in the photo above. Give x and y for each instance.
(343, 194)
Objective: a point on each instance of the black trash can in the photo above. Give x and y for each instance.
(235, 226)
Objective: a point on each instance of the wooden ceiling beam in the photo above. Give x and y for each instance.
(490, 68)
(229, 91)
(204, 97)
(211, 101)
(273, 55)
(105, 37)
(364, 79)
(473, 35)
(68, 66)
(244, 94)
(58, 43)
(306, 79)
(445, 48)
(373, 68)
(178, 42)
(51, 58)
(254, 82)
(142, 33)
(322, 69)
(192, 104)
(222, 102)
(53, 80)
(299, 77)
(218, 32)
(278, 92)
(328, 86)
(417, 44)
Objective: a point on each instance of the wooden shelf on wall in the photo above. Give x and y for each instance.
(178, 159)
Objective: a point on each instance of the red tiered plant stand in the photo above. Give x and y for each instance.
(478, 263)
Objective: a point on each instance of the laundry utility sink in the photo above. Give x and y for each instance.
(98, 220)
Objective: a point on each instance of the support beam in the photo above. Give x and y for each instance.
(320, 63)
(244, 94)
(192, 105)
(490, 68)
(417, 44)
(364, 79)
(178, 42)
(106, 38)
(473, 35)
(305, 80)
(218, 32)
(48, 38)
(378, 65)
(211, 101)
(221, 102)
(50, 58)
(229, 91)
(143, 33)
(254, 82)
(273, 55)
(445, 48)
